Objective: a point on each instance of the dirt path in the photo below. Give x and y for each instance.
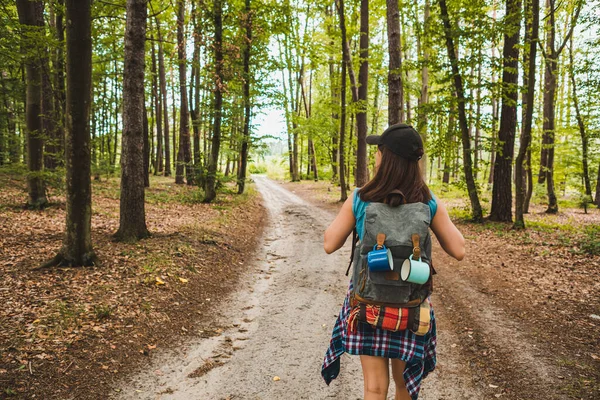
(279, 325)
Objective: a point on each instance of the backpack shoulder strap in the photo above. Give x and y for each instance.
(354, 242)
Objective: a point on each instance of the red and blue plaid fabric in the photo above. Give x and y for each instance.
(417, 351)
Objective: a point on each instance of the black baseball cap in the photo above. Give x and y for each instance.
(401, 139)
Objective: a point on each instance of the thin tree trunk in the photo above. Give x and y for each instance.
(12, 140)
(423, 120)
(247, 107)
(59, 84)
(77, 243)
(581, 125)
(195, 87)
(163, 90)
(395, 88)
(477, 146)
(184, 155)
(532, 11)
(466, 140)
(31, 14)
(158, 167)
(344, 193)
(551, 56)
(132, 221)
(147, 152)
(598, 187)
(52, 143)
(362, 173)
(502, 189)
(210, 190)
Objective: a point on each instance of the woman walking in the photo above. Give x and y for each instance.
(399, 336)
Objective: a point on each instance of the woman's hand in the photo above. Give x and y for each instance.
(337, 233)
(450, 238)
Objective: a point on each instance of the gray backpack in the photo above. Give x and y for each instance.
(399, 224)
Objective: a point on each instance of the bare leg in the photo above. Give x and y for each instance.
(376, 377)
(398, 375)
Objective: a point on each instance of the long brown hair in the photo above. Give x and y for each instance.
(396, 174)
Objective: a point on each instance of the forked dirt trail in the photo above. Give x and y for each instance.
(280, 321)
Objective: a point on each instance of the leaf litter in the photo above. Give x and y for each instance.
(75, 331)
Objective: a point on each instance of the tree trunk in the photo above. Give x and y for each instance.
(395, 88)
(210, 189)
(581, 125)
(462, 117)
(362, 173)
(52, 156)
(12, 140)
(502, 189)
(356, 96)
(132, 222)
(77, 243)
(423, 120)
(195, 88)
(31, 14)
(247, 109)
(147, 150)
(184, 155)
(598, 187)
(163, 90)
(59, 84)
(158, 167)
(344, 193)
(550, 83)
(476, 145)
(532, 11)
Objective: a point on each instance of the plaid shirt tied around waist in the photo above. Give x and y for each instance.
(418, 351)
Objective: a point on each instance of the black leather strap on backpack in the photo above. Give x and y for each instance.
(354, 242)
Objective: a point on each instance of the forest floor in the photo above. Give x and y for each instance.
(524, 304)
(210, 308)
(72, 332)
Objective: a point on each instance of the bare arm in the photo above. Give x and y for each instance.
(448, 235)
(337, 233)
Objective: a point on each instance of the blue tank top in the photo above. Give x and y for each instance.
(359, 207)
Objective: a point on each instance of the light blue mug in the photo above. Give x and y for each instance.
(380, 260)
(414, 271)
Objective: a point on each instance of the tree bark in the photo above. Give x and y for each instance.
(502, 189)
(184, 155)
(77, 244)
(598, 188)
(147, 151)
(581, 126)
(12, 140)
(195, 88)
(163, 91)
(31, 17)
(395, 88)
(158, 167)
(132, 222)
(59, 84)
(423, 120)
(532, 18)
(462, 117)
(362, 173)
(344, 193)
(551, 56)
(210, 189)
(241, 178)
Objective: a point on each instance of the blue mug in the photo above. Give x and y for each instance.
(414, 271)
(380, 260)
